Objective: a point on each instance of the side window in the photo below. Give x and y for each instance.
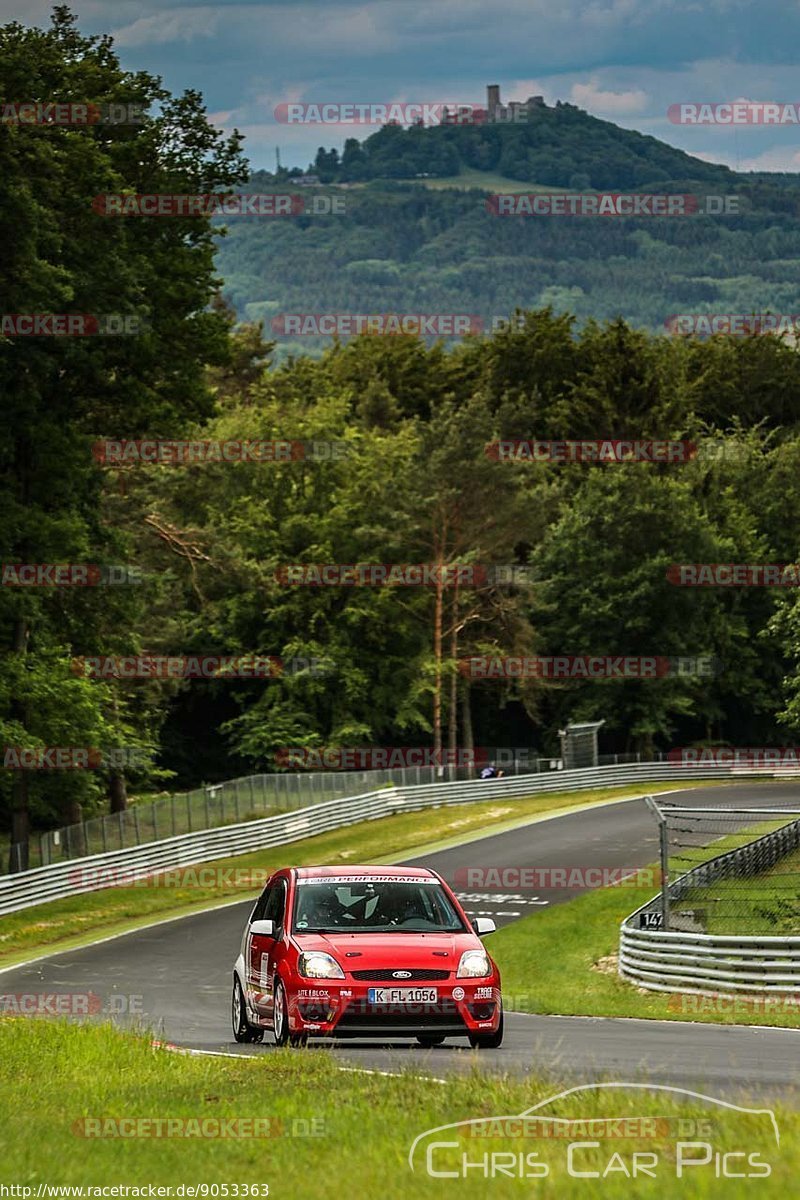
(259, 912)
(276, 903)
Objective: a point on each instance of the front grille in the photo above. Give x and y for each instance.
(388, 976)
(415, 1018)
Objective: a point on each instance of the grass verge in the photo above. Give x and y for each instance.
(766, 904)
(62, 924)
(564, 960)
(362, 1127)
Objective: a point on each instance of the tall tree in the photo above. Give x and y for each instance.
(60, 255)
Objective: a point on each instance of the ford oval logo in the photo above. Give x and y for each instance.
(401, 974)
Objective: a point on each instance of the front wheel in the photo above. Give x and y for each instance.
(243, 1031)
(280, 1015)
(487, 1041)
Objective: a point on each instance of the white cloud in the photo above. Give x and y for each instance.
(591, 97)
(776, 159)
(182, 26)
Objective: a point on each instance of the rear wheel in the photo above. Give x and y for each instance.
(487, 1041)
(243, 1031)
(430, 1039)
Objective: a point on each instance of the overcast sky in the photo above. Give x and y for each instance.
(624, 60)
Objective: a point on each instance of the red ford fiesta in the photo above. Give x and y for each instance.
(364, 952)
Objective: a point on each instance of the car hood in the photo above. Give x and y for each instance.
(374, 951)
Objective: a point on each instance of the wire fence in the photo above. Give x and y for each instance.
(727, 870)
(250, 798)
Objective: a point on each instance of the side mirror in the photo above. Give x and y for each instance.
(481, 925)
(263, 928)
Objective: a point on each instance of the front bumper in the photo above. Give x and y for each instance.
(341, 1008)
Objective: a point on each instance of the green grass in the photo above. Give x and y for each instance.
(564, 960)
(767, 903)
(485, 181)
(58, 1075)
(62, 924)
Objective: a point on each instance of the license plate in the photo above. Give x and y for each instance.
(402, 995)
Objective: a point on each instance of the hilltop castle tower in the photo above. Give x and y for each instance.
(515, 110)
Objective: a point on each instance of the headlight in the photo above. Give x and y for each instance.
(474, 963)
(316, 965)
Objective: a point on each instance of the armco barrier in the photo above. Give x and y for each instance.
(69, 878)
(709, 964)
(247, 798)
(675, 960)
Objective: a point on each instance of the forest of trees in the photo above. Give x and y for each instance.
(402, 247)
(415, 485)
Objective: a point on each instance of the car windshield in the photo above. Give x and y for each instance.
(374, 906)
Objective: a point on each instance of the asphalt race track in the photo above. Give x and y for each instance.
(176, 977)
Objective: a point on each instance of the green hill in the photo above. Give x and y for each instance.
(561, 146)
(432, 245)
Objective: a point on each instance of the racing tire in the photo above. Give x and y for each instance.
(487, 1041)
(430, 1039)
(280, 1016)
(243, 1031)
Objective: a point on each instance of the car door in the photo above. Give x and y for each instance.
(261, 948)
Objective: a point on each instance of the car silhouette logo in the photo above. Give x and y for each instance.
(401, 974)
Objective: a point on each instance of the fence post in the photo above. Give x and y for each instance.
(155, 822)
(174, 826)
(664, 848)
(136, 825)
(121, 831)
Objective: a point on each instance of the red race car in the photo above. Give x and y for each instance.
(364, 952)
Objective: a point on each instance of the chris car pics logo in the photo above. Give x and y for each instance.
(699, 1139)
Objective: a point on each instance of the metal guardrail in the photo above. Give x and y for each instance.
(680, 960)
(709, 964)
(243, 799)
(92, 873)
